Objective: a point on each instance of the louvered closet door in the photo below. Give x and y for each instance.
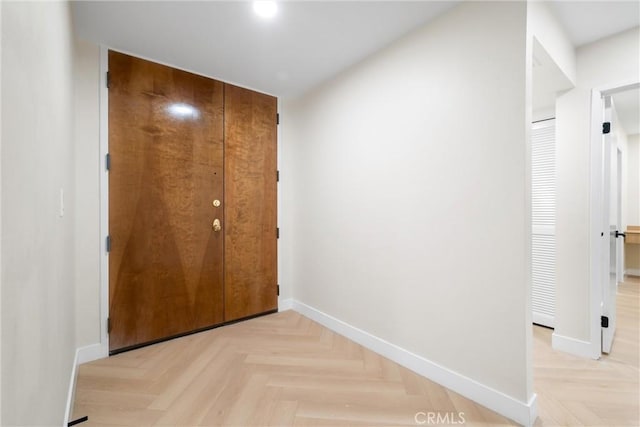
(543, 205)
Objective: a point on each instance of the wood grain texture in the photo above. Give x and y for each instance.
(277, 370)
(250, 203)
(633, 236)
(285, 370)
(166, 146)
(581, 392)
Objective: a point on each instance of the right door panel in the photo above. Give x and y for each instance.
(250, 209)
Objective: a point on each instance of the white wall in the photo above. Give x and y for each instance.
(572, 215)
(285, 202)
(554, 61)
(618, 208)
(37, 243)
(633, 180)
(611, 60)
(1, 211)
(544, 26)
(87, 227)
(632, 196)
(410, 198)
(620, 144)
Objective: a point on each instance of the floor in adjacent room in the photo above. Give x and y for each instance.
(605, 392)
(284, 369)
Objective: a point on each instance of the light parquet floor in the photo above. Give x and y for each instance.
(580, 392)
(285, 369)
(282, 369)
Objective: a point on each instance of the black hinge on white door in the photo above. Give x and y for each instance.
(604, 321)
(606, 127)
(277, 176)
(107, 161)
(277, 232)
(277, 118)
(108, 243)
(108, 80)
(278, 289)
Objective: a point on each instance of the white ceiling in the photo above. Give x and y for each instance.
(587, 21)
(548, 80)
(627, 105)
(306, 43)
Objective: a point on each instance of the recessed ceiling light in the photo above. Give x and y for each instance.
(265, 9)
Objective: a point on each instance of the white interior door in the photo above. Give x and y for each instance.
(610, 205)
(543, 226)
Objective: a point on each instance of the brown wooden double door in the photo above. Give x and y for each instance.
(180, 143)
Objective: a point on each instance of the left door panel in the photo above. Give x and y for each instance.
(166, 146)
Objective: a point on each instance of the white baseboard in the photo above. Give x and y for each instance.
(92, 352)
(285, 304)
(523, 413)
(573, 346)
(72, 390)
(82, 355)
(632, 271)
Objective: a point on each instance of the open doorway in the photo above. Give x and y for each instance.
(547, 80)
(617, 108)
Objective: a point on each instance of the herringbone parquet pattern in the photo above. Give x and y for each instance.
(580, 392)
(285, 369)
(281, 369)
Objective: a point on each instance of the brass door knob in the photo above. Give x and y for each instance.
(216, 225)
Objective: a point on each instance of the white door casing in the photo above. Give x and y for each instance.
(621, 226)
(601, 291)
(609, 227)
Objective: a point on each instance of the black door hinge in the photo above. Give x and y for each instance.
(278, 289)
(604, 321)
(277, 118)
(277, 176)
(108, 325)
(108, 243)
(277, 232)
(108, 80)
(606, 127)
(107, 161)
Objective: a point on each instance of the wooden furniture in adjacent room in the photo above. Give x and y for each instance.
(633, 235)
(632, 250)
